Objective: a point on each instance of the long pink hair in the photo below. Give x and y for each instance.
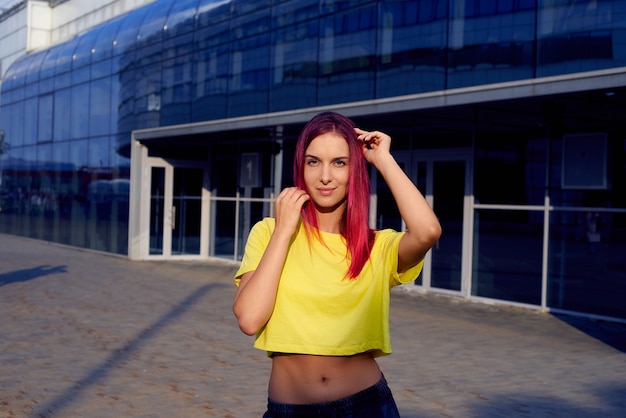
(354, 224)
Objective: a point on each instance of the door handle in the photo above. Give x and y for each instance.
(173, 218)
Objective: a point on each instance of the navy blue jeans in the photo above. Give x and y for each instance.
(373, 402)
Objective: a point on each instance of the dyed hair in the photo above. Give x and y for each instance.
(354, 223)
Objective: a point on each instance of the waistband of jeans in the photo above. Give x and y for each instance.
(379, 391)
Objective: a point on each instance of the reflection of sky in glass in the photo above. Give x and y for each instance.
(7, 4)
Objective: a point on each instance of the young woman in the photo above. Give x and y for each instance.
(314, 281)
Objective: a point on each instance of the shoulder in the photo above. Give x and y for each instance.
(387, 236)
(265, 225)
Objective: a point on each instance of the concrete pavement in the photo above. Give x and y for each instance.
(85, 334)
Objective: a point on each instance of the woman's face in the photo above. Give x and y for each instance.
(326, 171)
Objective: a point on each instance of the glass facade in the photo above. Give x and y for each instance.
(68, 112)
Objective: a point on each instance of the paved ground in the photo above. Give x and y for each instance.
(84, 334)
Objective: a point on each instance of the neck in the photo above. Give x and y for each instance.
(330, 221)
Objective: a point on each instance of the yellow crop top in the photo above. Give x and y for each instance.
(317, 310)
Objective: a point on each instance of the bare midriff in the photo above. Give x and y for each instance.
(306, 379)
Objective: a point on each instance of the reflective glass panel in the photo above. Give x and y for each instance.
(507, 255)
(85, 46)
(153, 24)
(587, 268)
(79, 126)
(13, 118)
(411, 51)
(294, 66)
(100, 107)
(126, 36)
(46, 110)
(157, 206)
(448, 194)
(181, 18)
(488, 44)
(224, 229)
(575, 36)
(521, 162)
(187, 208)
(62, 120)
(347, 55)
(249, 65)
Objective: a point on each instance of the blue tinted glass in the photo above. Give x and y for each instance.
(12, 117)
(332, 6)
(30, 118)
(293, 74)
(181, 18)
(62, 61)
(586, 248)
(250, 25)
(522, 163)
(347, 56)
(574, 37)
(62, 102)
(79, 126)
(48, 66)
(249, 80)
(411, 52)
(103, 45)
(508, 269)
(35, 67)
(291, 12)
(488, 48)
(210, 36)
(152, 27)
(211, 83)
(126, 36)
(46, 110)
(85, 47)
(100, 107)
(147, 96)
(18, 71)
(211, 12)
(177, 85)
(241, 7)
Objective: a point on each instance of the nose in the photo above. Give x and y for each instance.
(325, 176)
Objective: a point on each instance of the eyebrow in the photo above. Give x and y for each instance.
(334, 159)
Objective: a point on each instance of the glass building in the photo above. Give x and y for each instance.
(165, 133)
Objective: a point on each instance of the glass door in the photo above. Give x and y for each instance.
(176, 210)
(443, 178)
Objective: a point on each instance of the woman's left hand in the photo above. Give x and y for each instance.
(374, 144)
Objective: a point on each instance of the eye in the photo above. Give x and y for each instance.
(311, 161)
(341, 163)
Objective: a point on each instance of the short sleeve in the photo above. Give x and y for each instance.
(255, 247)
(388, 242)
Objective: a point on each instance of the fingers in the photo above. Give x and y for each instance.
(371, 140)
(288, 206)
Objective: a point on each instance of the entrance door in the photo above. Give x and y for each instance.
(443, 178)
(176, 210)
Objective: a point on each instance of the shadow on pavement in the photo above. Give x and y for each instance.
(54, 406)
(610, 333)
(30, 274)
(537, 405)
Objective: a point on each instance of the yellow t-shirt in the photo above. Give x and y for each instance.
(317, 310)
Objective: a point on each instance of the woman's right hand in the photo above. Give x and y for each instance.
(289, 205)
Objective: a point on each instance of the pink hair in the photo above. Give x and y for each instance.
(354, 224)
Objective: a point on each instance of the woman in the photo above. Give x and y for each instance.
(314, 281)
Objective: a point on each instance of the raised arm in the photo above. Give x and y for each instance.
(256, 295)
(423, 226)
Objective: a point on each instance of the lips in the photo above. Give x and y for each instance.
(325, 192)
